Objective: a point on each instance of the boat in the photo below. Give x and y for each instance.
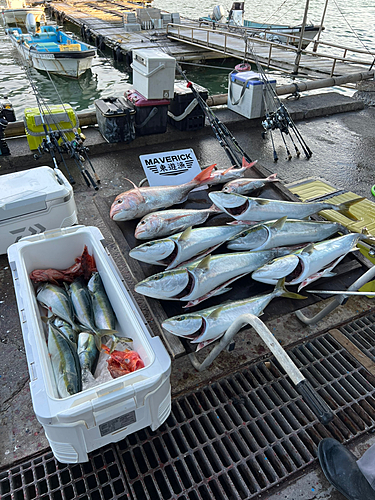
(281, 33)
(52, 50)
(16, 12)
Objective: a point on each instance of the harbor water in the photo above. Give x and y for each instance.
(346, 23)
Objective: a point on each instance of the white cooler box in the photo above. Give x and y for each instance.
(32, 201)
(246, 94)
(153, 73)
(107, 413)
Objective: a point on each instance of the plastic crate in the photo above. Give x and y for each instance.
(61, 117)
(184, 111)
(151, 114)
(116, 119)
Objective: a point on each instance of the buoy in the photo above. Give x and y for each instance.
(243, 67)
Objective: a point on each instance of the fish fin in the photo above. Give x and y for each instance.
(344, 208)
(204, 263)
(279, 224)
(186, 234)
(214, 209)
(204, 176)
(216, 291)
(228, 170)
(243, 222)
(261, 201)
(281, 291)
(367, 236)
(246, 164)
(132, 183)
(308, 248)
(112, 334)
(272, 178)
(205, 343)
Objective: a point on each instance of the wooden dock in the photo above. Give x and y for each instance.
(102, 24)
(316, 61)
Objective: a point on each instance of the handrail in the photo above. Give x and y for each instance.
(226, 34)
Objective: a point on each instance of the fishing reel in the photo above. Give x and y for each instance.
(7, 115)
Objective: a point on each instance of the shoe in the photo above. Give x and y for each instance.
(340, 468)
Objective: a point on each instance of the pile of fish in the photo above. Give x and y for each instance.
(80, 315)
(270, 240)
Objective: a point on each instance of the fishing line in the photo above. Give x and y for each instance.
(226, 139)
(75, 147)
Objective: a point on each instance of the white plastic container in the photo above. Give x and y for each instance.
(153, 73)
(247, 94)
(32, 201)
(107, 413)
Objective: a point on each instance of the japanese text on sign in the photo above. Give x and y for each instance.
(170, 168)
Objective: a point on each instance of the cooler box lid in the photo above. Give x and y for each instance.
(113, 106)
(250, 77)
(147, 57)
(137, 99)
(30, 191)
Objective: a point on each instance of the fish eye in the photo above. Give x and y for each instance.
(159, 277)
(142, 222)
(181, 318)
(119, 201)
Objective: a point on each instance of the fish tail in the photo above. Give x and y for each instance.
(344, 208)
(112, 334)
(281, 291)
(273, 178)
(205, 175)
(246, 164)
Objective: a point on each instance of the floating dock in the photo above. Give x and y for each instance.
(104, 24)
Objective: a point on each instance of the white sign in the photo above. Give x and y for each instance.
(170, 168)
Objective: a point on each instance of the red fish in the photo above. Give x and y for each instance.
(83, 266)
(123, 362)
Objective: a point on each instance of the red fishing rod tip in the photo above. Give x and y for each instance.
(189, 84)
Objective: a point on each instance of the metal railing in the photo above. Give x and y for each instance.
(224, 45)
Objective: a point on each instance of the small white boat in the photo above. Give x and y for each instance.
(273, 32)
(52, 50)
(16, 12)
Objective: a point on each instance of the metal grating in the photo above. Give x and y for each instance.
(244, 434)
(362, 333)
(101, 478)
(233, 439)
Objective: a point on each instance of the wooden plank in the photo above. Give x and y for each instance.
(361, 357)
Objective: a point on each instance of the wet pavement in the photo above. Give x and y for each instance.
(338, 130)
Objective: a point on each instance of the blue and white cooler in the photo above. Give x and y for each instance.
(247, 94)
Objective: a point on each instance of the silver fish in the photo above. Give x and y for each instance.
(205, 326)
(167, 222)
(66, 329)
(57, 301)
(138, 202)
(230, 174)
(261, 209)
(206, 277)
(65, 362)
(183, 247)
(310, 263)
(87, 352)
(245, 185)
(82, 304)
(283, 232)
(104, 316)
(83, 307)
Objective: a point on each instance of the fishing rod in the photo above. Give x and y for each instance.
(75, 147)
(279, 118)
(226, 139)
(50, 143)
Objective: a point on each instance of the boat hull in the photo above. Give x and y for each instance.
(281, 33)
(69, 64)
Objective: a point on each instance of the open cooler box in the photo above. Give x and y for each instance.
(107, 413)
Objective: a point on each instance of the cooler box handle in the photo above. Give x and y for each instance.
(152, 72)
